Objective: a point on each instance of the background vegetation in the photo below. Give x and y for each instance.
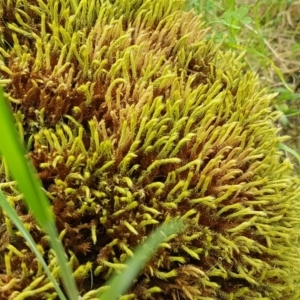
(269, 33)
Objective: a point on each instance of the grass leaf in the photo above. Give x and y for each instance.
(121, 282)
(23, 172)
(290, 150)
(11, 213)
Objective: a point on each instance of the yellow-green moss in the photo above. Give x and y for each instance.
(132, 116)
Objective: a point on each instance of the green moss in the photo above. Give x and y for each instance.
(131, 117)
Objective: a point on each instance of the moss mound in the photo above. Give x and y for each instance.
(132, 116)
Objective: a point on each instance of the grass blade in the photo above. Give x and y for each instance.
(29, 185)
(121, 282)
(20, 169)
(11, 213)
(290, 150)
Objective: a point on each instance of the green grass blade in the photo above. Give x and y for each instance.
(11, 213)
(20, 169)
(290, 150)
(29, 185)
(121, 282)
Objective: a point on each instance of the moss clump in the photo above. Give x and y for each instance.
(132, 116)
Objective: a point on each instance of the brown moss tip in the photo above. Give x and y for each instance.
(132, 117)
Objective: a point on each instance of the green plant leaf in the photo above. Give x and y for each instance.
(286, 95)
(20, 169)
(120, 283)
(228, 17)
(34, 196)
(11, 213)
(290, 150)
(241, 12)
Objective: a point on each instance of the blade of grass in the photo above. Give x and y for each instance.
(121, 282)
(29, 185)
(290, 150)
(11, 213)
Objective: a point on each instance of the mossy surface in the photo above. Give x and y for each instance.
(132, 116)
